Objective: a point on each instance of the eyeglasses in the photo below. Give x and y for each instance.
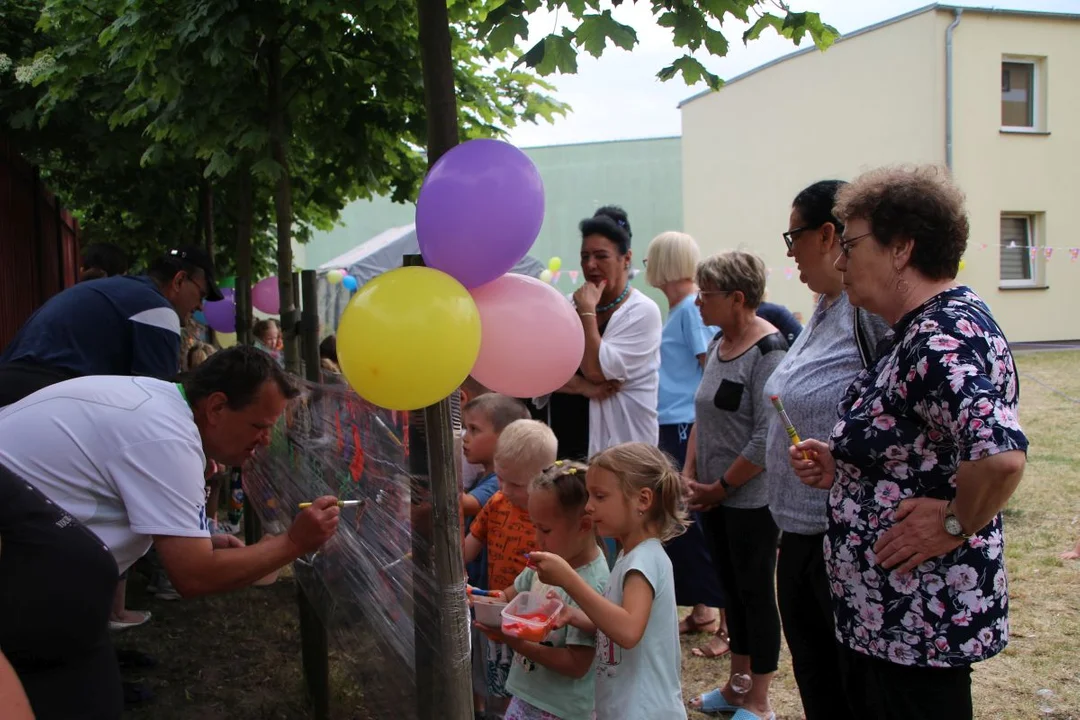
(703, 295)
(203, 292)
(847, 243)
(790, 235)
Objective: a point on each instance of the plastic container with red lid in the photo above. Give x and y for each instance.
(529, 616)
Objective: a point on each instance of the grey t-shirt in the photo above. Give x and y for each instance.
(733, 416)
(811, 380)
(643, 682)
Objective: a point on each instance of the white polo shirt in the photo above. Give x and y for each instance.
(122, 454)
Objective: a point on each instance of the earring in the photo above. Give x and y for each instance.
(903, 287)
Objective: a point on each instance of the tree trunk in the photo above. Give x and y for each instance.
(440, 99)
(443, 667)
(245, 211)
(282, 209)
(206, 203)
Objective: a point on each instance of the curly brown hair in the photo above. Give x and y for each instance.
(919, 202)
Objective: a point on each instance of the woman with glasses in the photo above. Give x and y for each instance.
(730, 429)
(670, 265)
(925, 455)
(836, 344)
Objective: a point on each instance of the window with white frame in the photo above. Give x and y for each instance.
(1021, 94)
(1021, 252)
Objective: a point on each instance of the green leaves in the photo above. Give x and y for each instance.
(795, 26)
(692, 71)
(695, 25)
(596, 29)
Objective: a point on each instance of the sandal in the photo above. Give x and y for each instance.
(709, 651)
(713, 702)
(744, 714)
(689, 625)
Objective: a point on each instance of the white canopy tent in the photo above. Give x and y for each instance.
(373, 257)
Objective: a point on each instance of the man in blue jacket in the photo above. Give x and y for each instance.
(123, 325)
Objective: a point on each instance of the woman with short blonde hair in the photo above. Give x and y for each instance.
(731, 426)
(670, 265)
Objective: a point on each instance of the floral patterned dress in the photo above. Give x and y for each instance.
(946, 392)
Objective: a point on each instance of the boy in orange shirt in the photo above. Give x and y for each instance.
(524, 449)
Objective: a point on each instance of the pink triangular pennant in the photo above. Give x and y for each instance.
(983, 246)
(1033, 252)
(1047, 252)
(555, 277)
(1074, 253)
(573, 275)
(788, 273)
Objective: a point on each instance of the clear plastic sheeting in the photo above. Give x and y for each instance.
(363, 582)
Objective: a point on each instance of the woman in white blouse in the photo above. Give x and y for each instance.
(620, 369)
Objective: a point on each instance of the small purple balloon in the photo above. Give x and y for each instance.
(221, 315)
(228, 294)
(479, 211)
(265, 297)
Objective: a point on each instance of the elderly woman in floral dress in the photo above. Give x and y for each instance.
(926, 453)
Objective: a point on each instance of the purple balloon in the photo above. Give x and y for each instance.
(479, 211)
(265, 297)
(221, 315)
(228, 293)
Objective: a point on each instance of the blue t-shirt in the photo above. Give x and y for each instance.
(477, 570)
(113, 326)
(685, 337)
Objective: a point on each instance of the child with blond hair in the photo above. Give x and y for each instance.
(552, 680)
(503, 528)
(635, 496)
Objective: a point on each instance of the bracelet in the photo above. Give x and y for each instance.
(725, 484)
(592, 314)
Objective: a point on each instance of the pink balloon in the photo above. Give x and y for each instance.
(265, 297)
(531, 343)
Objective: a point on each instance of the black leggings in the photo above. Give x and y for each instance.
(802, 589)
(744, 552)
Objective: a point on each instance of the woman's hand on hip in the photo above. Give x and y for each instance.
(602, 391)
(918, 535)
(587, 297)
(813, 463)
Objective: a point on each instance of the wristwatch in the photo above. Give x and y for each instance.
(952, 524)
(725, 484)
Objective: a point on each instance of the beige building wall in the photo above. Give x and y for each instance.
(1030, 173)
(878, 97)
(874, 98)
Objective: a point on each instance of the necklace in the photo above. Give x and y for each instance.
(616, 301)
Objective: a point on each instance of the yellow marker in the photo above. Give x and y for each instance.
(787, 424)
(340, 504)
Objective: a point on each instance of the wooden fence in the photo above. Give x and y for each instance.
(39, 242)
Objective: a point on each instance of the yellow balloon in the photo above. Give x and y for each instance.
(225, 340)
(962, 264)
(409, 338)
(334, 277)
(555, 264)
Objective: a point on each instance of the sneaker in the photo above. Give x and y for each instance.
(162, 588)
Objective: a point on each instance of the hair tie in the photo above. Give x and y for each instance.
(558, 463)
(572, 471)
